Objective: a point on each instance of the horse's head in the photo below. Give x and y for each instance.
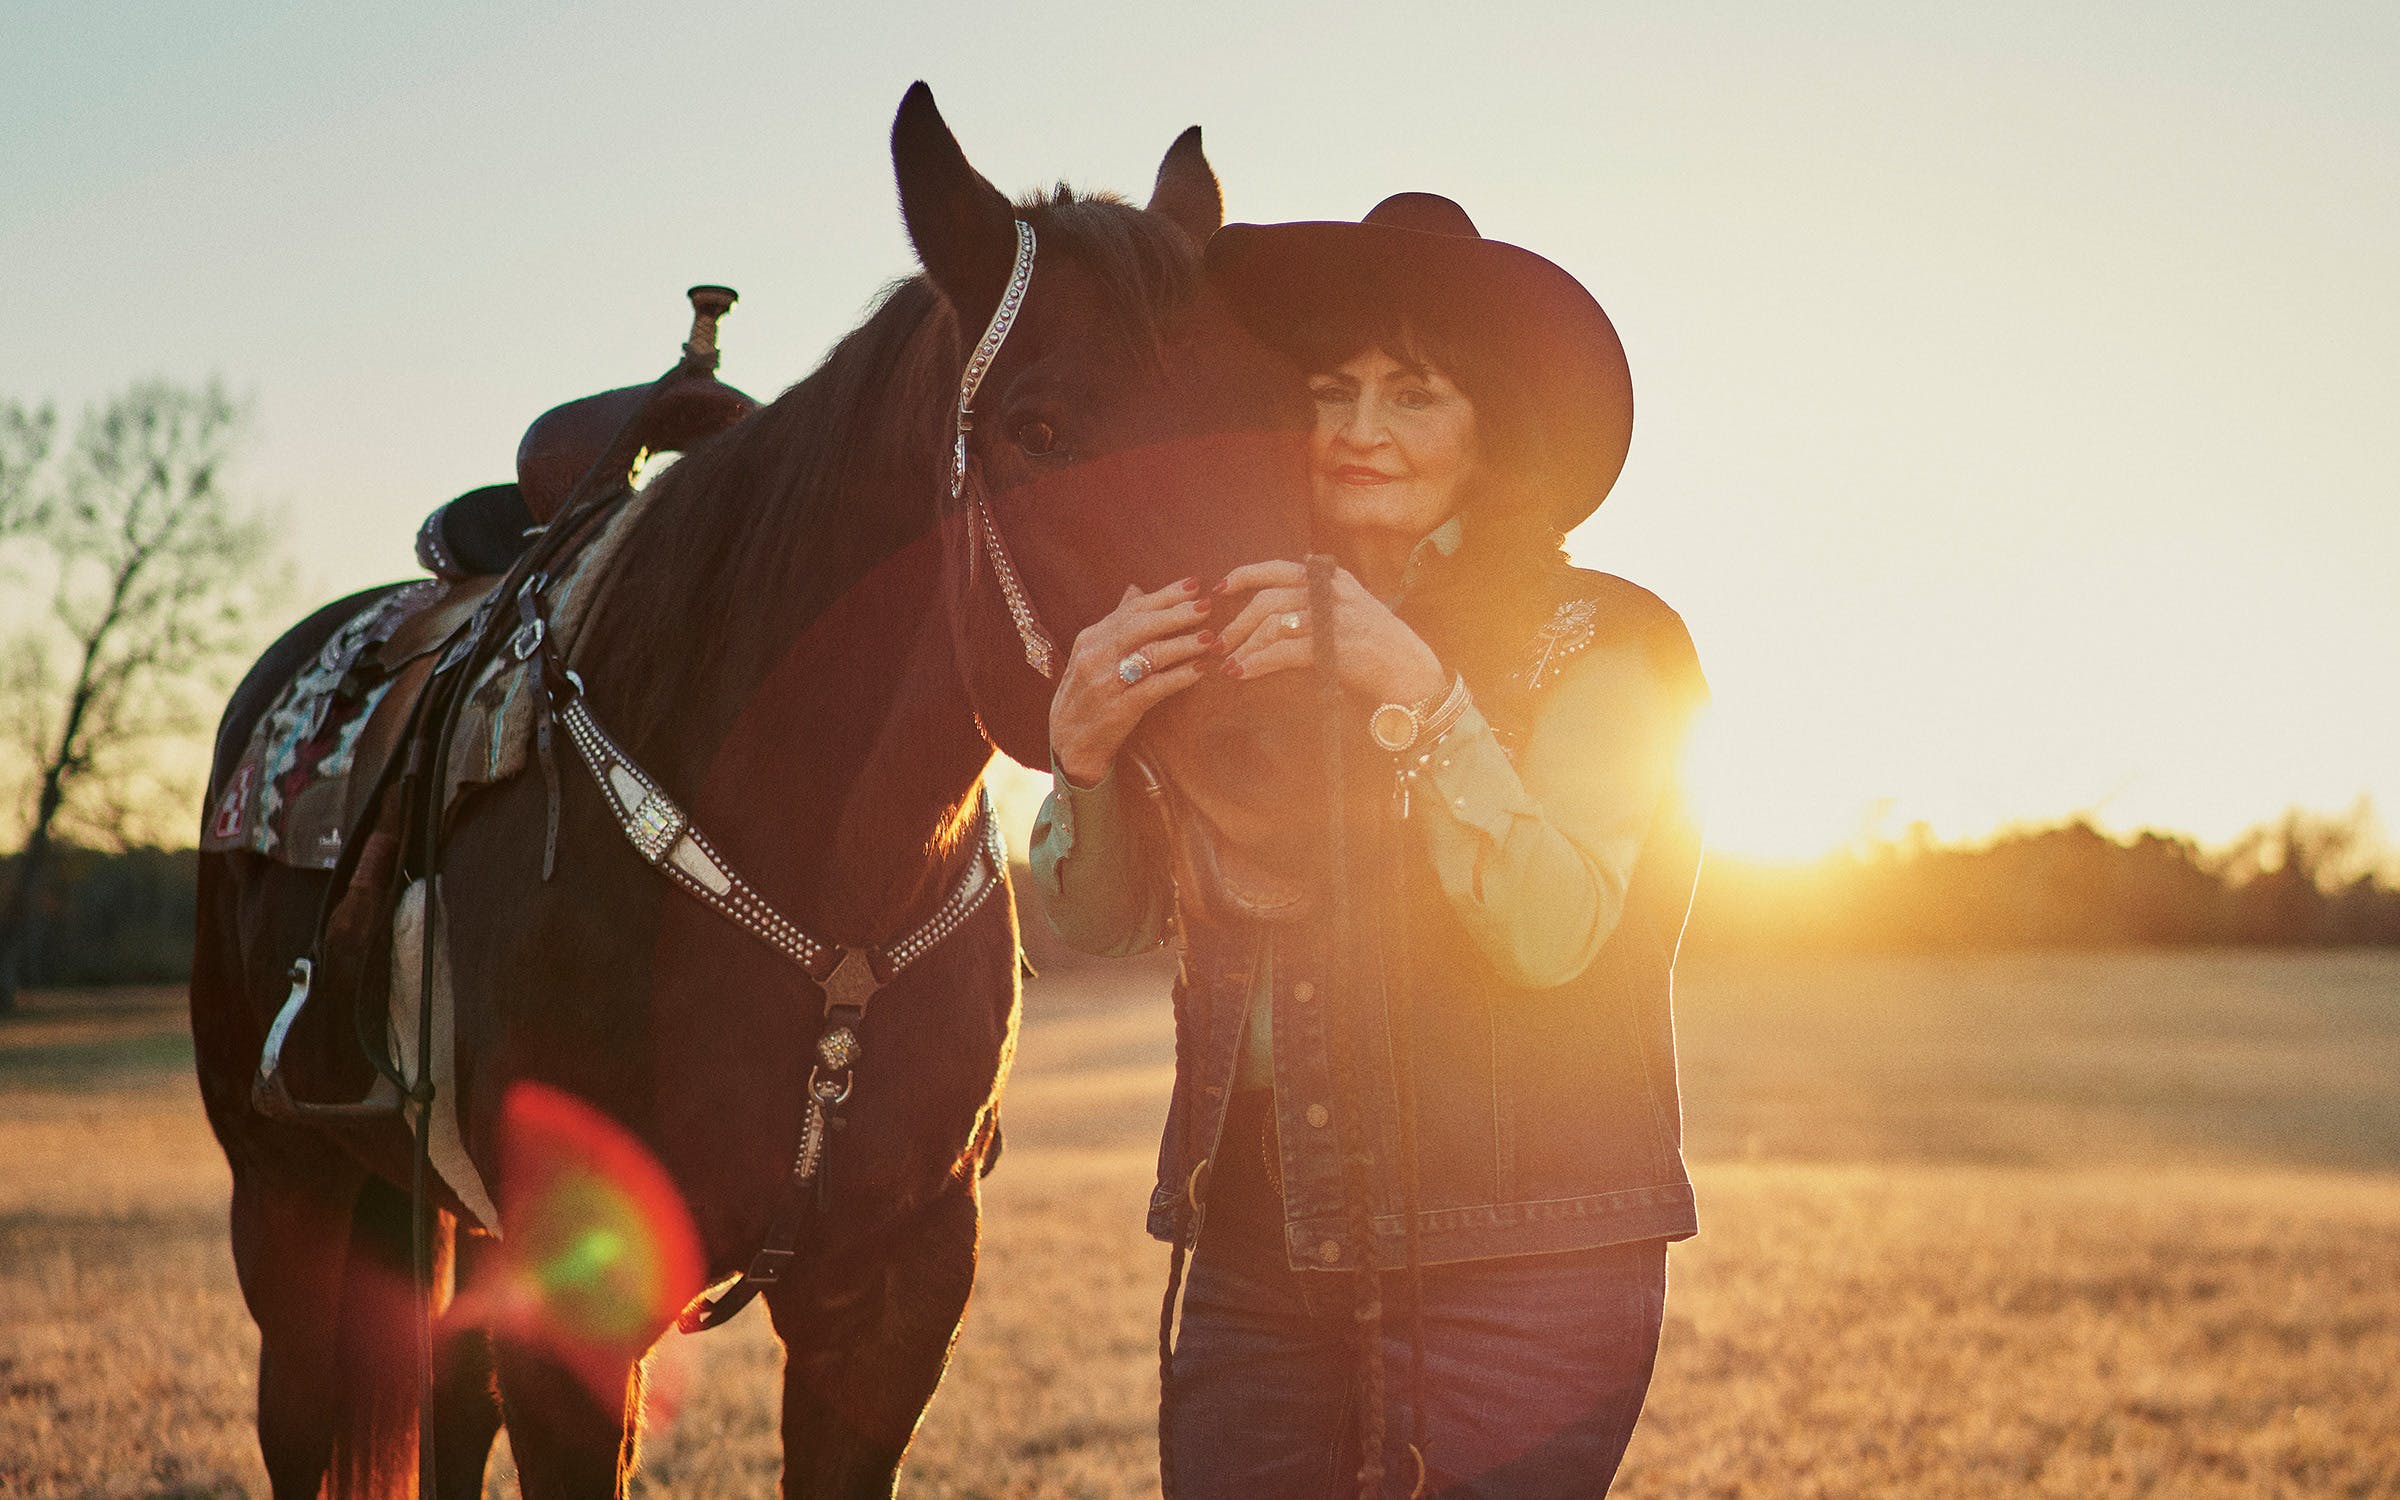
(1127, 430)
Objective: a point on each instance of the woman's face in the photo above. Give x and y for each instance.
(1393, 444)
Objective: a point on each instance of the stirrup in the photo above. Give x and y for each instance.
(272, 1097)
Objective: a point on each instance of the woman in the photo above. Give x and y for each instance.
(1486, 1138)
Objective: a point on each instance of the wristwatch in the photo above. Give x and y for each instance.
(1397, 727)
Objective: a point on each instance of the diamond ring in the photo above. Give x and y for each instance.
(1133, 669)
(1291, 623)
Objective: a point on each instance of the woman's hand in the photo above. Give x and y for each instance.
(1380, 658)
(1095, 709)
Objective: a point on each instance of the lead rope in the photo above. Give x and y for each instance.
(1402, 1021)
(1166, 1361)
(1366, 1290)
(1178, 1255)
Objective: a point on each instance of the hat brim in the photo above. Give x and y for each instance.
(1549, 331)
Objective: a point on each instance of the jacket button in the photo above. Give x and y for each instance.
(1330, 1252)
(1317, 1116)
(1304, 991)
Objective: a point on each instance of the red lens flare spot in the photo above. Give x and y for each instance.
(598, 1252)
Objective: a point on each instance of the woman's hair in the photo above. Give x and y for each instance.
(1479, 607)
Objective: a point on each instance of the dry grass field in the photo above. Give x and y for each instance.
(2075, 1225)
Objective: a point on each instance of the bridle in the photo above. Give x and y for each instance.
(1040, 652)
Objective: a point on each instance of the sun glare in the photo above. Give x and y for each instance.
(1760, 801)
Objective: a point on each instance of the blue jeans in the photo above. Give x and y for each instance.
(1535, 1365)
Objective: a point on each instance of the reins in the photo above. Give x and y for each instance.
(593, 496)
(415, 775)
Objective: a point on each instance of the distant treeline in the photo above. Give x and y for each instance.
(2308, 881)
(122, 918)
(126, 918)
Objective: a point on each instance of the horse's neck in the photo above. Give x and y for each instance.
(846, 771)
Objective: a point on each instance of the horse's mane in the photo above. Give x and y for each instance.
(749, 537)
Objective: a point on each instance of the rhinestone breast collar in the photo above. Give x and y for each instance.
(666, 837)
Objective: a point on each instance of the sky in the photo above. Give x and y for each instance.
(2015, 384)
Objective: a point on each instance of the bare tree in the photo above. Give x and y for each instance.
(152, 574)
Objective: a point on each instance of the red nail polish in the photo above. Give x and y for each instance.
(1231, 668)
(1220, 587)
(1191, 585)
(1206, 637)
(1201, 606)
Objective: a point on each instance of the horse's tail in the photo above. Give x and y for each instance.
(375, 1433)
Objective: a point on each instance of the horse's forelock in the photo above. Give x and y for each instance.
(1144, 264)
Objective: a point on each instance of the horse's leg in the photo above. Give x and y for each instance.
(864, 1347)
(466, 1398)
(288, 1250)
(466, 1415)
(321, 1254)
(571, 1441)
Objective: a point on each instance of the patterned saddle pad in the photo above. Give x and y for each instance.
(291, 795)
(287, 796)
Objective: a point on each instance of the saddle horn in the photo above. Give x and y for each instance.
(691, 406)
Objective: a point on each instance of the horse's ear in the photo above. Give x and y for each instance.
(962, 226)
(1187, 189)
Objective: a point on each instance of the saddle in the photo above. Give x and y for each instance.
(338, 772)
(310, 774)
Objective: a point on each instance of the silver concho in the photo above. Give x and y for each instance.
(838, 1048)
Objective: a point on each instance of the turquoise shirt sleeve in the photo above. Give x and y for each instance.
(1535, 856)
(1103, 892)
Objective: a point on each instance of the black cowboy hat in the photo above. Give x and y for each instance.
(1423, 249)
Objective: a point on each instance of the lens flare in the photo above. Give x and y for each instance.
(599, 1252)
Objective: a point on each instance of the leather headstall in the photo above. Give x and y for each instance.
(1041, 653)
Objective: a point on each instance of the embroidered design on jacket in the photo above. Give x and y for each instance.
(1570, 629)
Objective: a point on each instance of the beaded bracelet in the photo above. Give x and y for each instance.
(1435, 727)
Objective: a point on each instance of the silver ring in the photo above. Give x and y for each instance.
(1132, 669)
(1291, 623)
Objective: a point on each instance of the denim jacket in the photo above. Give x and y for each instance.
(1545, 1106)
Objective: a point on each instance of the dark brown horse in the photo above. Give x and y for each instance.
(806, 641)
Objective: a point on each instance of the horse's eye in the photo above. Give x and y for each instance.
(1037, 439)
